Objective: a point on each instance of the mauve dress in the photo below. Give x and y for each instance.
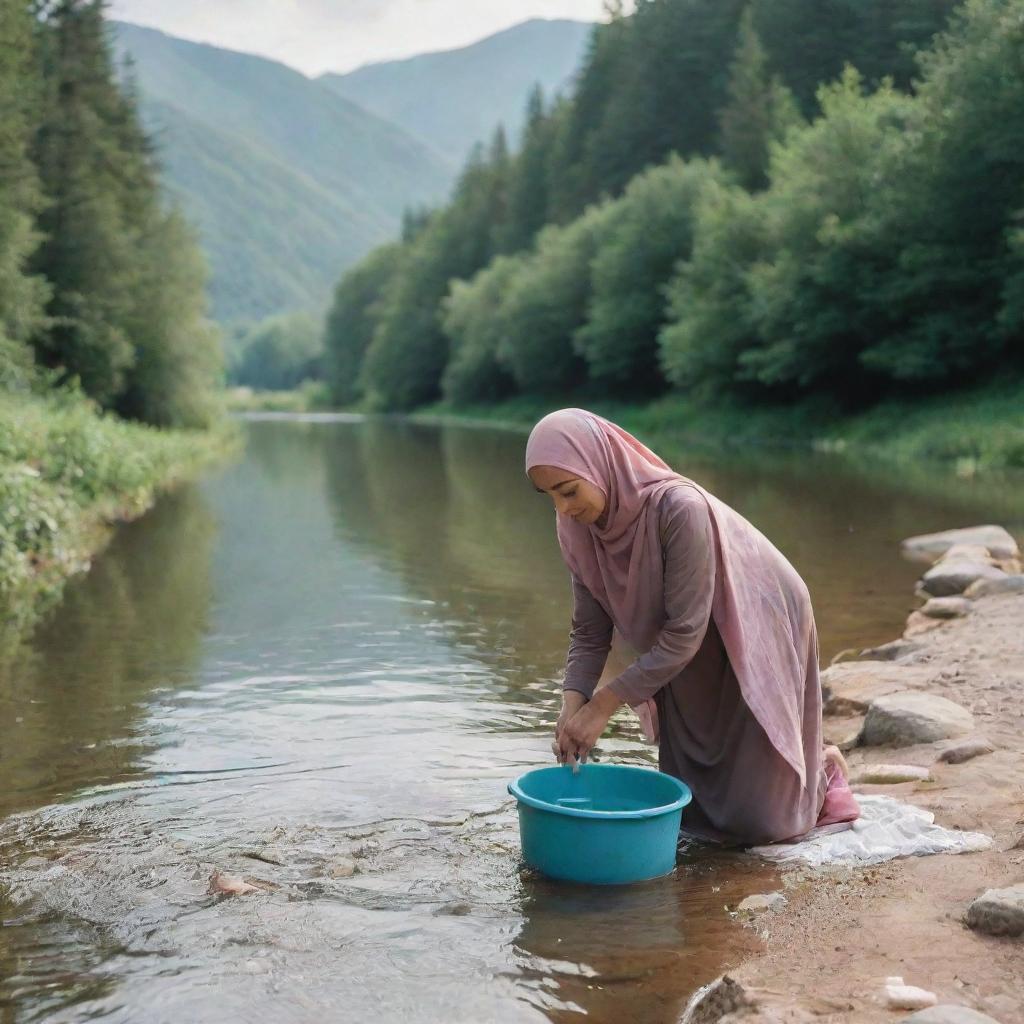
(743, 789)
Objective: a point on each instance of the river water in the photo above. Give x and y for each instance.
(318, 669)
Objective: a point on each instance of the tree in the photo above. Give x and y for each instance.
(474, 327)
(760, 110)
(22, 295)
(647, 232)
(545, 304)
(353, 317)
(280, 352)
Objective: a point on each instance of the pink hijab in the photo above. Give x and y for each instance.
(761, 606)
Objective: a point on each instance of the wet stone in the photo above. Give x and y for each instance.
(965, 750)
(954, 577)
(998, 911)
(946, 608)
(711, 1003)
(904, 719)
(762, 902)
(949, 1014)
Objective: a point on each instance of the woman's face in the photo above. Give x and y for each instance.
(573, 496)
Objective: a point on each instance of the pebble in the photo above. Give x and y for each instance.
(903, 719)
(890, 774)
(947, 1013)
(899, 996)
(998, 911)
(342, 867)
(957, 753)
(761, 902)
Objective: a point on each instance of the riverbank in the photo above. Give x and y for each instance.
(67, 474)
(842, 933)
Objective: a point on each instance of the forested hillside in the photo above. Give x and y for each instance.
(287, 181)
(456, 98)
(721, 208)
(100, 282)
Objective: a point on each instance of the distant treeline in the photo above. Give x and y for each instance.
(704, 213)
(99, 281)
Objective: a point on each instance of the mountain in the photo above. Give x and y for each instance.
(287, 181)
(457, 97)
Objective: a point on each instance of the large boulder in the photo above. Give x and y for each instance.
(991, 587)
(930, 547)
(903, 719)
(998, 911)
(955, 576)
(850, 687)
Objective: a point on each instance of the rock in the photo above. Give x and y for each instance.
(890, 774)
(228, 885)
(970, 552)
(948, 1014)
(917, 623)
(931, 546)
(845, 655)
(954, 577)
(849, 688)
(998, 911)
(989, 588)
(710, 1004)
(907, 997)
(903, 719)
(341, 867)
(957, 753)
(843, 733)
(947, 608)
(758, 904)
(895, 650)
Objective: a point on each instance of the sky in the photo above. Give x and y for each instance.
(339, 35)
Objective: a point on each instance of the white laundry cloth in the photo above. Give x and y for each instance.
(887, 828)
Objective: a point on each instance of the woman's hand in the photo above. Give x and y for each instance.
(582, 731)
(572, 701)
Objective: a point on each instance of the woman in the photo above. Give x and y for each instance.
(728, 683)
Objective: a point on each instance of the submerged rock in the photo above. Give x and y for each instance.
(228, 885)
(711, 1003)
(903, 719)
(761, 902)
(998, 911)
(890, 774)
(989, 588)
(929, 547)
(957, 753)
(949, 1014)
(954, 577)
(946, 608)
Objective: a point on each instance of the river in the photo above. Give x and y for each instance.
(318, 669)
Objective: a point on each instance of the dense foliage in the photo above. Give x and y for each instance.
(859, 232)
(99, 281)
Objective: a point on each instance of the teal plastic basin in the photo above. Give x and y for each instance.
(608, 824)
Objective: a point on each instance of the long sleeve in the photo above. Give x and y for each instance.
(688, 545)
(589, 641)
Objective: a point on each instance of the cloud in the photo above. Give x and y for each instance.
(338, 35)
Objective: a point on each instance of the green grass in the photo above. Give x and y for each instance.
(977, 430)
(66, 473)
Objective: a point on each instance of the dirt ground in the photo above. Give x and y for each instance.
(842, 933)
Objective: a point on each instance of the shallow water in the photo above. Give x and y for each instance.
(318, 670)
